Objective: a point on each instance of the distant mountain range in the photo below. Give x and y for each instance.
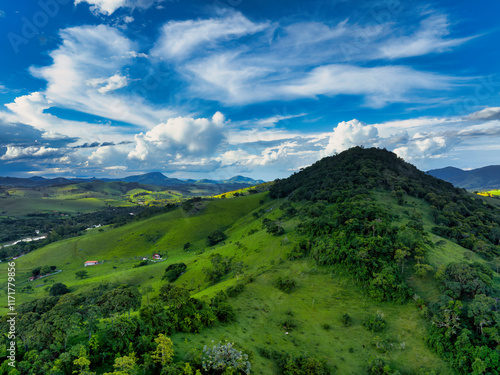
(154, 178)
(481, 179)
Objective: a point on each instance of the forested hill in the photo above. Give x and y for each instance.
(359, 168)
(457, 215)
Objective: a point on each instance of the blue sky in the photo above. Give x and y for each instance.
(261, 88)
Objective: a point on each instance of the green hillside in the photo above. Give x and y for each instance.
(349, 267)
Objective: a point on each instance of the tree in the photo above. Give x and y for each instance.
(125, 364)
(82, 361)
(496, 263)
(81, 274)
(482, 310)
(220, 267)
(224, 359)
(123, 298)
(45, 270)
(164, 350)
(36, 271)
(215, 237)
(174, 271)
(58, 289)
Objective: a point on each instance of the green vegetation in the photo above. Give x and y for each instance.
(355, 281)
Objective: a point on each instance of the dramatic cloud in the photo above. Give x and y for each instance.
(304, 60)
(14, 152)
(86, 72)
(180, 136)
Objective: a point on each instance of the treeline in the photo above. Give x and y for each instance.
(58, 227)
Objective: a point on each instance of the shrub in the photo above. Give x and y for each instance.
(375, 323)
(215, 237)
(221, 357)
(142, 263)
(174, 271)
(235, 289)
(220, 267)
(377, 366)
(58, 289)
(286, 284)
(252, 231)
(346, 320)
(222, 309)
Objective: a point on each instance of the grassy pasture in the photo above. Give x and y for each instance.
(316, 306)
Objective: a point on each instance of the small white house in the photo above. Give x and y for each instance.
(157, 256)
(91, 263)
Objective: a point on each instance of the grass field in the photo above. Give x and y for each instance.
(316, 306)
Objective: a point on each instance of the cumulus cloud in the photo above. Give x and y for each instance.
(352, 133)
(108, 84)
(425, 146)
(180, 38)
(180, 136)
(15, 152)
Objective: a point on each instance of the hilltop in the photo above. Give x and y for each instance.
(480, 179)
(358, 264)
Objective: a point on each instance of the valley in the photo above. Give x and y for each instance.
(348, 267)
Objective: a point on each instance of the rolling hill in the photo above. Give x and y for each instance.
(480, 179)
(153, 178)
(358, 264)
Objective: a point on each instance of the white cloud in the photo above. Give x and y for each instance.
(30, 110)
(304, 60)
(15, 152)
(487, 114)
(86, 71)
(181, 38)
(429, 38)
(180, 136)
(229, 79)
(108, 84)
(349, 134)
(108, 7)
(426, 146)
(105, 156)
